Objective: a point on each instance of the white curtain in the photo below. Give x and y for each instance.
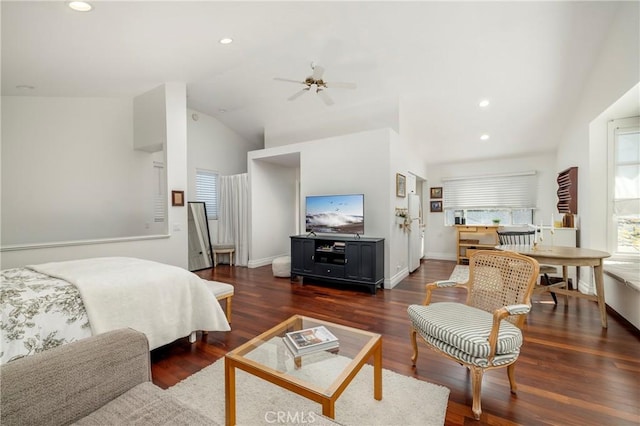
(233, 220)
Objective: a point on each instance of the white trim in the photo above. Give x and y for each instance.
(256, 263)
(527, 173)
(396, 279)
(81, 242)
(614, 127)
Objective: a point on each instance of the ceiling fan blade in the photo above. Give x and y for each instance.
(324, 96)
(289, 80)
(298, 94)
(342, 85)
(318, 71)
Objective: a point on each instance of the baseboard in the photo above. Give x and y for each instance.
(440, 256)
(256, 263)
(396, 279)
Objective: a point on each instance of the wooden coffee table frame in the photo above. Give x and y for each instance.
(327, 397)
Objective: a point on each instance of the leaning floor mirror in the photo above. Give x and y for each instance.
(200, 250)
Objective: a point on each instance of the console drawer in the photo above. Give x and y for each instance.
(329, 270)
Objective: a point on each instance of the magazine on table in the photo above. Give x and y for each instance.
(310, 340)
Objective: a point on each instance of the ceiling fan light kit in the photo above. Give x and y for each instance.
(316, 79)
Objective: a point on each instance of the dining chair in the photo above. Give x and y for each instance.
(527, 238)
(485, 332)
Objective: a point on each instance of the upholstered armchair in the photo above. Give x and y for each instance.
(485, 332)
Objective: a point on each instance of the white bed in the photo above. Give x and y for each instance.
(50, 304)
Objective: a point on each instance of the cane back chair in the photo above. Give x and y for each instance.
(485, 332)
(527, 238)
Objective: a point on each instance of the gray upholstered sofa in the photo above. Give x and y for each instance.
(101, 380)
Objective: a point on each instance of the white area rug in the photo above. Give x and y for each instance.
(460, 274)
(405, 401)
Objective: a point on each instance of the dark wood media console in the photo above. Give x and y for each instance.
(339, 259)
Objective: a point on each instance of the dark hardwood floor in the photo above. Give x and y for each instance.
(570, 372)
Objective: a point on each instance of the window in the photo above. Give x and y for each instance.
(207, 191)
(511, 198)
(624, 188)
(487, 216)
(159, 194)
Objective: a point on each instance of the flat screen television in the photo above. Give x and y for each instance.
(338, 214)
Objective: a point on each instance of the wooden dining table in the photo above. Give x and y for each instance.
(565, 257)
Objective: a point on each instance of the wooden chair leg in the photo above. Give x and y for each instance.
(548, 282)
(414, 357)
(476, 388)
(512, 377)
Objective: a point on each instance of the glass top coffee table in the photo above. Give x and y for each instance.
(320, 376)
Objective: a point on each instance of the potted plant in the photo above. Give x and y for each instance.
(496, 221)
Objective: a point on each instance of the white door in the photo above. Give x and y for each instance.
(416, 233)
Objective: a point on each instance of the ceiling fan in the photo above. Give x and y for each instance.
(316, 80)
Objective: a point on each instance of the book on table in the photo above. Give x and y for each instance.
(310, 340)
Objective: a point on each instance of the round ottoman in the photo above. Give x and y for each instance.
(281, 266)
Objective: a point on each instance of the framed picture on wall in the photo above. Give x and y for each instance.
(177, 198)
(401, 185)
(436, 206)
(436, 192)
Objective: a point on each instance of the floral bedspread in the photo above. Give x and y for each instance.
(38, 313)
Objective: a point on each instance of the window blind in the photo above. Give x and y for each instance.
(624, 207)
(627, 172)
(159, 196)
(515, 190)
(207, 191)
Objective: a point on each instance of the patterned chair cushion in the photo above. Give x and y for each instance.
(498, 360)
(463, 331)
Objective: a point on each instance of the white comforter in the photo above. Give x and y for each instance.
(165, 302)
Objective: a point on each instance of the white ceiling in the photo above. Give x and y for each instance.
(432, 60)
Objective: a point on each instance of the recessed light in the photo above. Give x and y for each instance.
(226, 40)
(80, 6)
(222, 110)
(483, 103)
(484, 137)
(24, 87)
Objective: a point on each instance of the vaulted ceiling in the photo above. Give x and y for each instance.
(431, 62)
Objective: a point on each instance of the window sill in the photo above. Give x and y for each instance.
(624, 271)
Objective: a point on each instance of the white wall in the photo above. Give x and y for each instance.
(364, 162)
(212, 146)
(273, 212)
(70, 171)
(172, 248)
(404, 161)
(616, 72)
(150, 120)
(323, 122)
(623, 299)
(584, 142)
(327, 166)
(440, 240)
